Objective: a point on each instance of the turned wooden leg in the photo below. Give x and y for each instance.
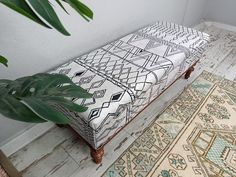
(97, 154)
(188, 72)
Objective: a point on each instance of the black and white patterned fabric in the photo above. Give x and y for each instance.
(127, 74)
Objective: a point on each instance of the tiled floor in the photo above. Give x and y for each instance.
(59, 153)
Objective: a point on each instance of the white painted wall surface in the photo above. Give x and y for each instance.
(31, 48)
(194, 12)
(223, 11)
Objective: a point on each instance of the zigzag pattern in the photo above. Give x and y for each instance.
(127, 74)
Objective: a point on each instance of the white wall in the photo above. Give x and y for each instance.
(194, 12)
(31, 48)
(223, 11)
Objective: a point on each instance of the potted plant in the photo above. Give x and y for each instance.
(33, 98)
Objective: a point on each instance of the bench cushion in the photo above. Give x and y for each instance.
(121, 74)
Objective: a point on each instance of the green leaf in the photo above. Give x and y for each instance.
(41, 83)
(44, 110)
(22, 7)
(14, 109)
(61, 5)
(3, 91)
(26, 86)
(3, 60)
(69, 91)
(14, 88)
(52, 80)
(10, 85)
(81, 8)
(34, 9)
(45, 10)
(66, 103)
(5, 82)
(38, 95)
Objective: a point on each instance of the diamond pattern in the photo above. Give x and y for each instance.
(99, 93)
(127, 74)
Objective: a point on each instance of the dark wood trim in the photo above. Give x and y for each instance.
(97, 156)
(189, 72)
(7, 166)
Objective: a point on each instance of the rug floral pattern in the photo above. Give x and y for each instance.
(195, 136)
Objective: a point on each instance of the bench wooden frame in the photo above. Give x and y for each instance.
(97, 154)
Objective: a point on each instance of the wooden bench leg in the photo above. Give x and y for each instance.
(97, 154)
(189, 72)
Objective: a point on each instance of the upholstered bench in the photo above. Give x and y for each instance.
(124, 76)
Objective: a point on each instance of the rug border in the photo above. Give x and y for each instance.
(219, 78)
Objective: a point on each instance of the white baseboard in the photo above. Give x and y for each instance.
(25, 138)
(221, 25)
(200, 26)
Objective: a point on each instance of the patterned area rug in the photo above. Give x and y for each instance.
(195, 136)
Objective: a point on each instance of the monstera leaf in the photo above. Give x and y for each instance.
(37, 10)
(42, 12)
(35, 98)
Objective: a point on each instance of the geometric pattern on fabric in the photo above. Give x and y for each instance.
(187, 139)
(125, 75)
